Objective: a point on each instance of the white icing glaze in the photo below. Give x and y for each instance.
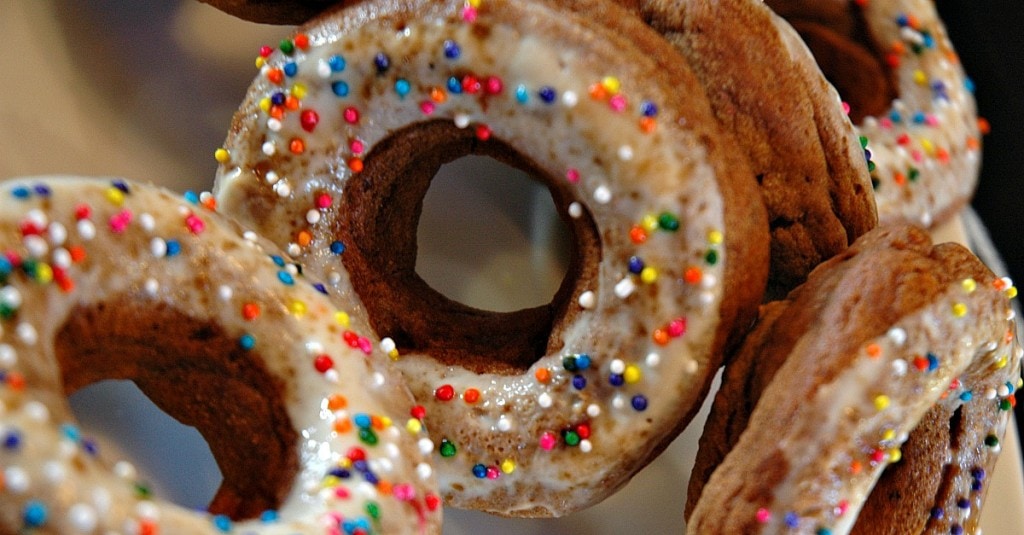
(54, 481)
(517, 438)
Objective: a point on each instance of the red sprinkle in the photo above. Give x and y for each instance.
(322, 363)
(445, 392)
(309, 120)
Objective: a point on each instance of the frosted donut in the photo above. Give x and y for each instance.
(112, 280)
(898, 356)
(542, 411)
(766, 88)
(893, 63)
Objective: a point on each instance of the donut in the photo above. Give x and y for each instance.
(767, 89)
(898, 355)
(893, 63)
(273, 12)
(541, 411)
(107, 279)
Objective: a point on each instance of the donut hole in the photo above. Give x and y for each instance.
(198, 375)
(378, 220)
(848, 55)
(504, 249)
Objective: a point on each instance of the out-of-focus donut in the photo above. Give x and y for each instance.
(274, 11)
(112, 280)
(898, 356)
(547, 410)
(893, 63)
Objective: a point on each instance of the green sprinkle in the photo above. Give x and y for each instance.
(447, 448)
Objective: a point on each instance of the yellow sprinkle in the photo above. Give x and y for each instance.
(959, 310)
(920, 77)
(881, 402)
(889, 434)
(611, 84)
(631, 374)
(1002, 362)
(393, 354)
(385, 422)
(928, 146)
(474, 3)
(341, 318)
(299, 91)
(969, 285)
(260, 62)
(413, 426)
(649, 223)
(508, 466)
(221, 155)
(715, 237)
(895, 454)
(330, 481)
(648, 275)
(297, 308)
(265, 104)
(115, 196)
(1011, 292)
(44, 273)
(345, 462)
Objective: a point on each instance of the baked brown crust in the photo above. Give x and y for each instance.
(274, 11)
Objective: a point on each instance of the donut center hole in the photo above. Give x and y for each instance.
(489, 236)
(170, 458)
(197, 375)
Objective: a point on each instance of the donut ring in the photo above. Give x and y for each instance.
(893, 62)
(543, 411)
(802, 147)
(895, 349)
(112, 280)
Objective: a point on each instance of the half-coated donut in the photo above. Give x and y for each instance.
(105, 279)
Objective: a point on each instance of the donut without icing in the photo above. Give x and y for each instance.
(893, 62)
(766, 88)
(543, 411)
(897, 355)
(113, 280)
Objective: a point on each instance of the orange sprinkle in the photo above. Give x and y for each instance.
(647, 124)
(999, 284)
(471, 395)
(291, 103)
(210, 203)
(304, 238)
(973, 143)
(597, 92)
(356, 165)
(377, 422)
(384, 487)
(984, 126)
(899, 178)
(302, 41)
(942, 155)
(67, 285)
(297, 146)
(337, 402)
(276, 76)
(250, 311)
(77, 253)
(856, 466)
(543, 375)
(438, 95)
(873, 350)
(277, 112)
(661, 336)
(637, 234)
(343, 425)
(692, 275)
(16, 381)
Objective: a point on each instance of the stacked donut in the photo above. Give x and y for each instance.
(722, 206)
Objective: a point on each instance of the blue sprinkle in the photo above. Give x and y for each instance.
(582, 361)
(285, 277)
(933, 362)
(336, 63)
(278, 260)
(173, 248)
(320, 288)
(268, 516)
(978, 473)
(919, 117)
(277, 98)
(929, 41)
(12, 440)
(966, 395)
(636, 265)
(70, 432)
(547, 94)
(361, 466)
(5, 266)
(480, 471)
(340, 473)
(121, 185)
(579, 382)
(402, 87)
(34, 514)
(290, 69)
(522, 95)
(454, 85)
(639, 403)
(616, 379)
(969, 84)
(21, 192)
(362, 420)
(191, 197)
(44, 191)
(382, 62)
(937, 513)
(791, 520)
(902, 20)
(648, 109)
(247, 341)
(956, 530)
(337, 247)
(90, 446)
(340, 88)
(451, 49)
(222, 523)
(963, 503)
(895, 116)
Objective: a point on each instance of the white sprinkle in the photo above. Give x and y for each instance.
(367, 489)
(86, 229)
(602, 195)
(991, 346)
(323, 70)
(378, 379)
(292, 269)
(332, 376)
(294, 249)
(461, 120)
(625, 153)
(152, 286)
(16, 480)
(67, 449)
(707, 298)
(691, 366)
(10, 296)
(504, 424)
(158, 247)
(653, 359)
(101, 499)
(205, 197)
(82, 518)
(125, 470)
(62, 258)
(424, 470)
(269, 149)
(8, 356)
(990, 393)
(624, 288)
(899, 367)
(36, 411)
(250, 236)
(575, 210)
(585, 446)
(617, 366)
(147, 221)
(282, 188)
(225, 292)
(147, 510)
(184, 210)
(314, 347)
(271, 177)
(36, 245)
(58, 233)
(313, 216)
(708, 280)
(570, 99)
(426, 445)
(274, 125)
(37, 218)
(1003, 391)
(384, 465)
(593, 410)
(54, 472)
(544, 400)
(897, 335)
(387, 345)
(587, 300)
(618, 401)
(27, 334)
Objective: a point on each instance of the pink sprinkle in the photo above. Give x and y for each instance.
(323, 201)
(547, 441)
(916, 155)
(763, 515)
(492, 472)
(356, 146)
(841, 509)
(886, 123)
(427, 107)
(195, 224)
(677, 327)
(493, 85)
(351, 115)
(617, 103)
(365, 345)
(931, 120)
(404, 492)
(120, 221)
(846, 107)
(469, 14)
(572, 175)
